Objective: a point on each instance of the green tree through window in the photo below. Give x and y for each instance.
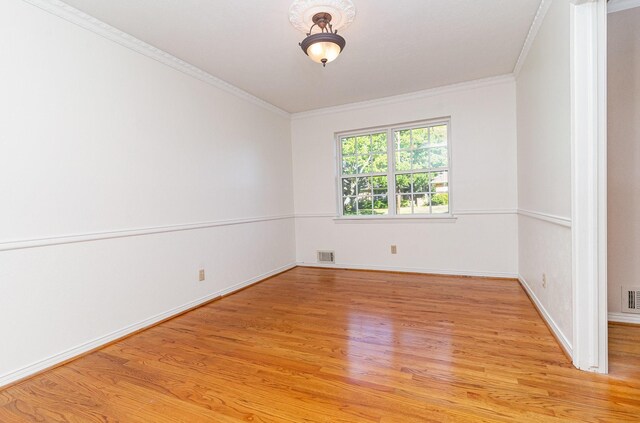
(397, 171)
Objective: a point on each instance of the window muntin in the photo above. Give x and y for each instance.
(396, 171)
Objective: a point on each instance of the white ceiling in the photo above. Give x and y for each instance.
(393, 47)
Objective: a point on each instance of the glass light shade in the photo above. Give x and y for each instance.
(323, 50)
(323, 47)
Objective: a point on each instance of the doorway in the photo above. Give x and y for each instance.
(623, 156)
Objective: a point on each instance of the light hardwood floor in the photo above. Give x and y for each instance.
(319, 345)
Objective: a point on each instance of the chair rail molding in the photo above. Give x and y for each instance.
(124, 233)
(588, 79)
(546, 217)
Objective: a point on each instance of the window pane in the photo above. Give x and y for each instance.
(363, 144)
(403, 160)
(439, 182)
(403, 184)
(420, 182)
(364, 185)
(380, 204)
(438, 134)
(348, 205)
(403, 204)
(379, 163)
(402, 139)
(349, 165)
(421, 203)
(348, 186)
(348, 146)
(365, 205)
(380, 185)
(379, 142)
(420, 159)
(438, 157)
(419, 187)
(440, 203)
(420, 137)
(364, 164)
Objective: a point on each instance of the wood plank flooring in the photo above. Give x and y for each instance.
(320, 345)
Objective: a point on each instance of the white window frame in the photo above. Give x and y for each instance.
(391, 171)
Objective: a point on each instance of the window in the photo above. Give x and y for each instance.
(395, 171)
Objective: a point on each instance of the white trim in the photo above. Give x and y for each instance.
(478, 212)
(96, 343)
(391, 172)
(315, 215)
(75, 16)
(547, 317)
(417, 95)
(446, 272)
(531, 35)
(255, 279)
(625, 318)
(396, 219)
(96, 236)
(545, 217)
(588, 80)
(453, 216)
(620, 5)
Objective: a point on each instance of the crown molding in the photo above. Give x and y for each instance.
(416, 95)
(620, 5)
(88, 22)
(531, 36)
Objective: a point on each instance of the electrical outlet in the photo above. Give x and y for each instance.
(201, 275)
(544, 280)
(394, 249)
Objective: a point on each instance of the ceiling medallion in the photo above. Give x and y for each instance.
(328, 16)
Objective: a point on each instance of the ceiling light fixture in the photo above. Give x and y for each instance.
(324, 46)
(325, 17)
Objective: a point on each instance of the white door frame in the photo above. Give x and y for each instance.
(589, 183)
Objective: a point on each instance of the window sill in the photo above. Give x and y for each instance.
(396, 219)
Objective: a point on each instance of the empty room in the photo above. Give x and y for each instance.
(319, 211)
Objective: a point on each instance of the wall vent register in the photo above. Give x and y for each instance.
(326, 257)
(631, 300)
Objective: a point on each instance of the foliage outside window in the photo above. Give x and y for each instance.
(395, 171)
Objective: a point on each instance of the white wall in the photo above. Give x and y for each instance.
(544, 169)
(96, 139)
(623, 153)
(483, 182)
(121, 177)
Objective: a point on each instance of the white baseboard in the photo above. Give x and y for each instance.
(103, 340)
(482, 274)
(564, 341)
(625, 318)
